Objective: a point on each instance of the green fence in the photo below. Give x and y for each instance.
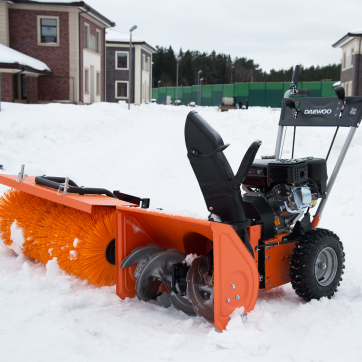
(258, 94)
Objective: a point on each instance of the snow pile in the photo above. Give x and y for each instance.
(17, 237)
(11, 56)
(142, 152)
(53, 270)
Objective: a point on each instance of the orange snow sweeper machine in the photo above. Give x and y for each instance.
(259, 240)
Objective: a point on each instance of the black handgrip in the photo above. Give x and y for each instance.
(245, 165)
(289, 103)
(294, 82)
(55, 182)
(303, 92)
(59, 180)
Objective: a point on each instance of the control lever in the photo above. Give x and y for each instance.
(341, 94)
(293, 90)
(294, 82)
(291, 104)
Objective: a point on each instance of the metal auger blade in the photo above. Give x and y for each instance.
(141, 256)
(182, 304)
(199, 291)
(157, 269)
(163, 300)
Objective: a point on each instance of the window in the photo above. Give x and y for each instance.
(122, 60)
(86, 36)
(86, 81)
(93, 43)
(146, 61)
(352, 52)
(121, 90)
(98, 83)
(48, 30)
(98, 41)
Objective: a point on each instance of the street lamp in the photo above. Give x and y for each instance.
(177, 60)
(130, 65)
(198, 83)
(200, 90)
(158, 93)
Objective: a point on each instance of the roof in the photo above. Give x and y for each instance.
(114, 36)
(353, 34)
(11, 58)
(80, 4)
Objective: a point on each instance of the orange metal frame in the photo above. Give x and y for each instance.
(80, 202)
(277, 262)
(233, 264)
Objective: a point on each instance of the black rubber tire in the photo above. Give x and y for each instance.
(302, 271)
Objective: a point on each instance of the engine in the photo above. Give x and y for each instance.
(288, 203)
(290, 187)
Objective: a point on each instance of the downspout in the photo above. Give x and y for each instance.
(80, 50)
(105, 65)
(359, 61)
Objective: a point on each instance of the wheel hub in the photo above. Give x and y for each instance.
(326, 266)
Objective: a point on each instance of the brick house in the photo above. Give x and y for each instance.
(351, 70)
(68, 38)
(117, 72)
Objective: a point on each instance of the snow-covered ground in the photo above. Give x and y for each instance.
(46, 315)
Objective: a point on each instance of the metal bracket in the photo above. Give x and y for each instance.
(21, 175)
(63, 187)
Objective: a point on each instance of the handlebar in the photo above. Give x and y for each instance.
(303, 92)
(294, 82)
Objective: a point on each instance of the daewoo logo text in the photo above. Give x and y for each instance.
(318, 111)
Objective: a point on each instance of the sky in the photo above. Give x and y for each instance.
(276, 34)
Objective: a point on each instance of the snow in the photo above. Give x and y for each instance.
(114, 35)
(190, 258)
(357, 31)
(17, 237)
(136, 228)
(48, 315)
(11, 56)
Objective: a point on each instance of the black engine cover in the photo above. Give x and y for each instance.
(287, 171)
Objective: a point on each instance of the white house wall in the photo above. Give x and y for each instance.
(4, 23)
(91, 59)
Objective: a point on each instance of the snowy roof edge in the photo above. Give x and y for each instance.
(145, 44)
(13, 59)
(116, 37)
(79, 4)
(23, 68)
(353, 34)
